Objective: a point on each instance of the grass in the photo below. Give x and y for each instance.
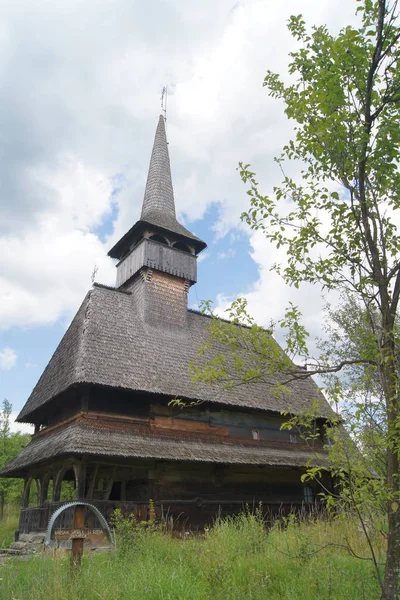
(236, 560)
(8, 525)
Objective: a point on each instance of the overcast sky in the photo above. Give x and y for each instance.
(80, 85)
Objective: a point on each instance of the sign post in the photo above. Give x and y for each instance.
(78, 533)
(77, 542)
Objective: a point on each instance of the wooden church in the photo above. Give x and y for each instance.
(101, 409)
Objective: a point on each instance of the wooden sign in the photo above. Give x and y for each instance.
(78, 530)
(78, 533)
(85, 534)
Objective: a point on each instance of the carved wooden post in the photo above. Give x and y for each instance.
(37, 485)
(77, 542)
(57, 481)
(92, 481)
(80, 480)
(110, 483)
(25, 495)
(44, 488)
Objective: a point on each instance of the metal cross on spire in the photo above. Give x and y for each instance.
(164, 96)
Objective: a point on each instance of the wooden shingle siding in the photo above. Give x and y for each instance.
(102, 438)
(153, 255)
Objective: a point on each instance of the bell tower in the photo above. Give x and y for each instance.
(158, 256)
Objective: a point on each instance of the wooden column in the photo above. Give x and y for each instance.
(92, 481)
(57, 481)
(80, 480)
(25, 495)
(44, 488)
(110, 484)
(37, 484)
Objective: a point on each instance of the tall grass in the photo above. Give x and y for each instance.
(235, 560)
(8, 525)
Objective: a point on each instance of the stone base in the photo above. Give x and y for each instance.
(29, 543)
(33, 543)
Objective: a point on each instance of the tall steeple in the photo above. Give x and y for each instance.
(158, 241)
(159, 203)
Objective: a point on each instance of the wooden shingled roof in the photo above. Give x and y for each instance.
(158, 209)
(93, 437)
(109, 344)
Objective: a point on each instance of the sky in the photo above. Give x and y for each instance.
(80, 86)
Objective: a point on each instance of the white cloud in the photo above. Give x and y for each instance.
(223, 255)
(8, 359)
(269, 296)
(79, 105)
(203, 256)
(22, 427)
(47, 269)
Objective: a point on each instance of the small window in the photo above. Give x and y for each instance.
(255, 434)
(292, 438)
(181, 246)
(308, 494)
(159, 238)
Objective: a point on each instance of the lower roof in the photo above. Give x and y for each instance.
(102, 438)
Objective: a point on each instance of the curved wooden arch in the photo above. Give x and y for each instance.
(58, 478)
(44, 487)
(27, 489)
(49, 542)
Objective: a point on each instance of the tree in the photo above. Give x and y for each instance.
(11, 445)
(357, 388)
(337, 221)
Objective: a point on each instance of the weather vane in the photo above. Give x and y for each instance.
(164, 95)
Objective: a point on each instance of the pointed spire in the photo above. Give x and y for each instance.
(159, 193)
(158, 209)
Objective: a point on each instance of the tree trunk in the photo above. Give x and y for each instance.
(390, 386)
(392, 569)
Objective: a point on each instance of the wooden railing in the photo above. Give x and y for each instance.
(36, 518)
(182, 512)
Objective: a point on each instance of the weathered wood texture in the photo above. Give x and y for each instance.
(194, 494)
(189, 514)
(154, 255)
(233, 423)
(121, 350)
